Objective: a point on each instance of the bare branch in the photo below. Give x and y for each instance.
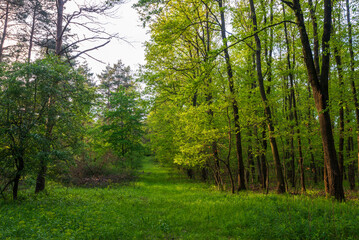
(90, 49)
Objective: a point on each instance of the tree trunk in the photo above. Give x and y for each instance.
(338, 60)
(40, 180)
(19, 168)
(268, 114)
(32, 31)
(321, 95)
(59, 30)
(251, 164)
(204, 174)
(237, 129)
(351, 167)
(315, 35)
(295, 113)
(261, 158)
(351, 74)
(4, 33)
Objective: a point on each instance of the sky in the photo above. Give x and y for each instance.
(130, 50)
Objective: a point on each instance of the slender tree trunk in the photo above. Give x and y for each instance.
(4, 33)
(338, 60)
(315, 36)
(32, 32)
(292, 156)
(295, 113)
(237, 129)
(351, 167)
(59, 28)
(209, 99)
(272, 140)
(313, 166)
(251, 164)
(41, 176)
(265, 183)
(262, 156)
(352, 71)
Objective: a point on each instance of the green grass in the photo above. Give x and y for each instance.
(164, 205)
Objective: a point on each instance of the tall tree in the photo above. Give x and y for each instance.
(319, 84)
(268, 113)
(237, 129)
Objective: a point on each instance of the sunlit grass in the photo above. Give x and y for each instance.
(164, 205)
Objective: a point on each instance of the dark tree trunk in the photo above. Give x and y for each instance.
(59, 28)
(313, 166)
(321, 95)
(204, 174)
(259, 176)
(268, 114)
(352, 71)
(261, 159)
(251, 164)
(209, 99)
(41, 178)
(292, 159)
(189, 172)
(19, 168)
(315, 35)
(237, 129)
(294, 112)
(264, 169)
(351, 167)
(338, 60)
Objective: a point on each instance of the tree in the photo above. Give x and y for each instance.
(123, 128)
(113, 78)
(25, 107)
(318, 78)
(268, 113)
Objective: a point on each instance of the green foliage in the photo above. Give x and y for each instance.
(43, 105)
(112, 144)
(123, 122)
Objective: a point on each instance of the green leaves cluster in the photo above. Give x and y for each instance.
(42, 108)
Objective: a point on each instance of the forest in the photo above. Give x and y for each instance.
(255, 94)
(245, 114)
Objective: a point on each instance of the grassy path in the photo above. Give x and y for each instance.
(163, 205)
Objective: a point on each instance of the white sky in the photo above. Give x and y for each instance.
(128, 26)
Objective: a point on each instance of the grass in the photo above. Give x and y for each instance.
(163, 205)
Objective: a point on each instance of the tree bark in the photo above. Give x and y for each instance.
(321, 95)
(59, 30)
(272, 140)
(237, 129)
(295, 113)
(32, 31)
(41, 177)
(19, 168)
(338, 60)
(351, 167)
(352, 71)
(4, 33)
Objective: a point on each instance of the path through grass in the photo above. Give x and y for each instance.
(164, 205)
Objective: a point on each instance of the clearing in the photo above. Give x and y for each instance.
(164, 205)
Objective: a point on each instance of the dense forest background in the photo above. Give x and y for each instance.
(243, 94)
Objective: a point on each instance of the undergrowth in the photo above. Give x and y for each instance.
(164, 205)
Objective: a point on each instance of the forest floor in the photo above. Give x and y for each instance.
(161, 204)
